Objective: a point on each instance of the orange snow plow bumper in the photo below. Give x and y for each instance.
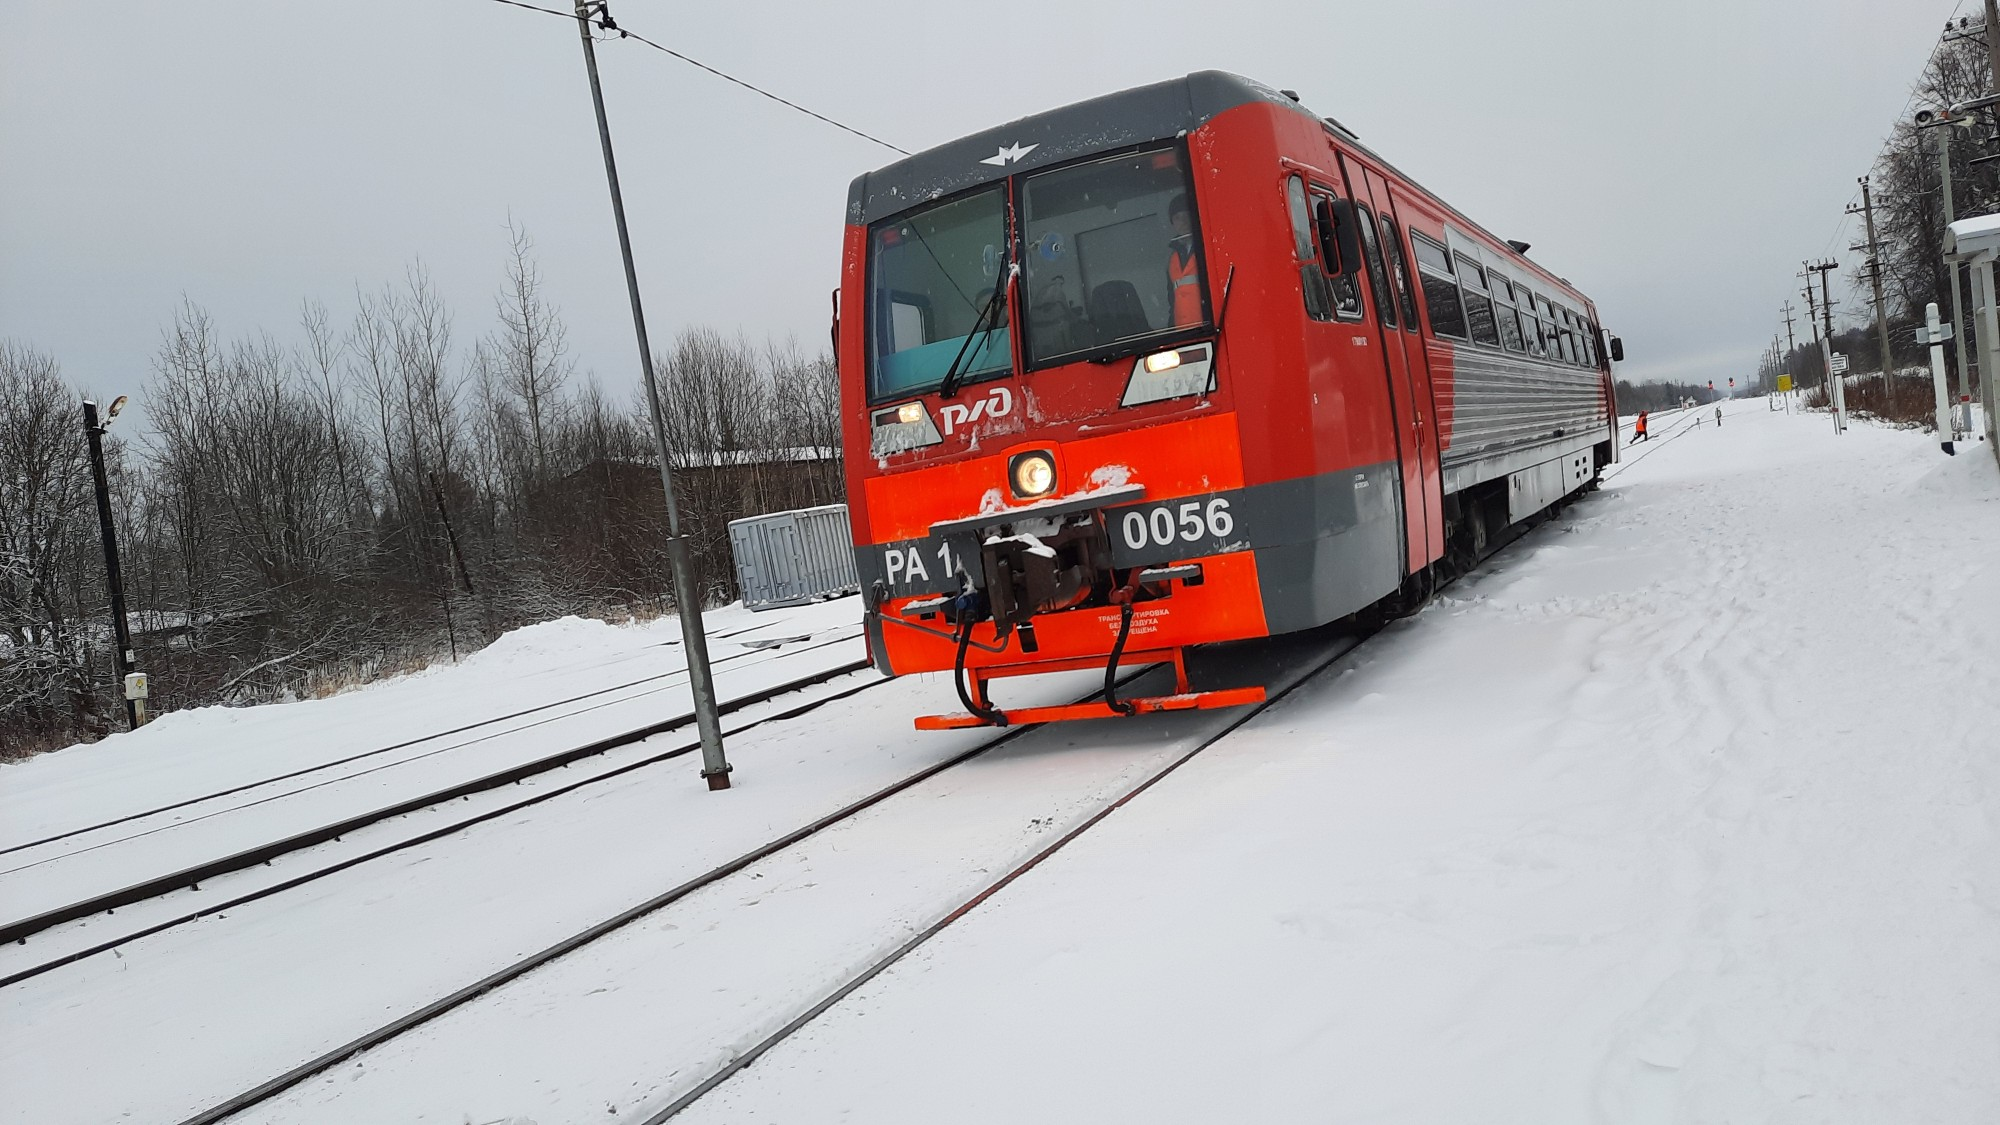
(1184, 697)
(1023, 716)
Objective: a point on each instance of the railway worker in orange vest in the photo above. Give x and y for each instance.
(1639, 428)
(1183, 267)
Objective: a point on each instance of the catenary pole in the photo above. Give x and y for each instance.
(714, 766)
(121, 628)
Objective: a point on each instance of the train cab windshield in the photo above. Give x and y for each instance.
(1112, 255)
(933, 271)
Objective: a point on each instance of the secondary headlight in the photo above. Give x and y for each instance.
(910, 413)
(1032, 474)
(1163, 361)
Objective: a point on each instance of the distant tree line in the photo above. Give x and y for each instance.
(365, 496)
(1634, 397)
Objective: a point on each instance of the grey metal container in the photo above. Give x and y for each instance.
(788, 558)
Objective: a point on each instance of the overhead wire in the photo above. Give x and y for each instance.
(603, 21)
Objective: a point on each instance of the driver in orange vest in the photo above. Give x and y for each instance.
(1183, 265)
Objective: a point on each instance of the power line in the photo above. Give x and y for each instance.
(604, 22)
(755, 89)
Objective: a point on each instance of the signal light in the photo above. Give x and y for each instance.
(1032, 474)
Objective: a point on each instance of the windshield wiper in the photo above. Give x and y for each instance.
(948, 386)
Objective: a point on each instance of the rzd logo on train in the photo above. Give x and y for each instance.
(998, 404)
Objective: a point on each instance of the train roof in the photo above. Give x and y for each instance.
(1143, 113)
(1127, 117)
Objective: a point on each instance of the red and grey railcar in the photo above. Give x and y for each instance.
(1180, 365)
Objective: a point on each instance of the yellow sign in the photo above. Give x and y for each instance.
(1784, 382)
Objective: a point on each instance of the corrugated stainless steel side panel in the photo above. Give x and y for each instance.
(787, 558)
(1501, 402)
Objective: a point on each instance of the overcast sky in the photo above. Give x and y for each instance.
(1674, 161)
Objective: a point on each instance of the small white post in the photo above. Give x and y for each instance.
(1934, 332)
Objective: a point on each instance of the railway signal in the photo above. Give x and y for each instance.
(121, 629)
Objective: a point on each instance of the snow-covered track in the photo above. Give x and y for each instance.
(403, 1024)
(750, 656)
(1295, 659)
(191, 877)
(1331, 653)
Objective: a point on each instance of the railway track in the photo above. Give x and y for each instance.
(1216, 725)
(958, 910)
(749, 657)
(20, 931)
(409, 1021)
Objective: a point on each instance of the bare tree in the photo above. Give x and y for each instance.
(532, 351)
(44, 547)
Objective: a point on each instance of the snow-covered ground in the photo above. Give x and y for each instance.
(1681, 810)
(187, 754)
(646, 689)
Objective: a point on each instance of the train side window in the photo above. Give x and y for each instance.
(1305, 252)
(1551, 342)
(1564, 332)
(1503, 299)
(1394, 243)
(1378, 274)
(1531, 328)
(1441, 299)
(1478, 306)
(1587, 335)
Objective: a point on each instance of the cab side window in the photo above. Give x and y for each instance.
(1305, 252)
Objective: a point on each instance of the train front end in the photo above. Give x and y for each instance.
(1045, 468)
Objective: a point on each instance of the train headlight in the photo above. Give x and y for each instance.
(910, 413)
(1163, 361)
(1032, 474)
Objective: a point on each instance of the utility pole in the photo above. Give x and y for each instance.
(1867, 210)
(1836, 397)
(1791, 342)
(1825, 297)
(1812, 306)
(714, 766)
(121, 629)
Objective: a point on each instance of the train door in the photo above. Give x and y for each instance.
(1333, 310)
(1404, 365)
